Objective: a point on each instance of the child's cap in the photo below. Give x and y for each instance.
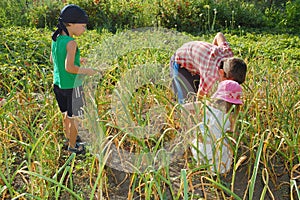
(73, 14)
(230, 91)
(69, 14)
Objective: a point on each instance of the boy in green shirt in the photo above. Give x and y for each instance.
(67, 74)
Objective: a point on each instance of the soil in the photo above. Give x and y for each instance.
(118, 183)
(278, 185)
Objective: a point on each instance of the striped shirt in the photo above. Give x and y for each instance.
(204, 59)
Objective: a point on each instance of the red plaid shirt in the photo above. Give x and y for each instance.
(204, 59)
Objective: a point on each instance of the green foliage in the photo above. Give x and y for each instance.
(284, 19)
(292, 15)
(31, 131)
(12, 12)
(24, 59)
(206, 16)
(236, 13)
(113, 15)
(191, 16)
(43, 15)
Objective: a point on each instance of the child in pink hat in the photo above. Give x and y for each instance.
(211, 146)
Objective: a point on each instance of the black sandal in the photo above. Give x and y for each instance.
(78, 139)
(79, 149)
(66, 142)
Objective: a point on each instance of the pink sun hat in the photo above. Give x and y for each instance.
(230, 91)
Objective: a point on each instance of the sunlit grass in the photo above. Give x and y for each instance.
(34, 166)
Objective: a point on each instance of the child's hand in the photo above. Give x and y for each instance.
(83, 61)
(90, 71)
(2, 101)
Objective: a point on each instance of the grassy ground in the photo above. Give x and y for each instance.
(33, 165)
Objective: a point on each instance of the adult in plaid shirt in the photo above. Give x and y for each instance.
(197, 65)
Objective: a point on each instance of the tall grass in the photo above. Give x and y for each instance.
(33, 165)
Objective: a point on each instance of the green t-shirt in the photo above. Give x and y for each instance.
(61, 77)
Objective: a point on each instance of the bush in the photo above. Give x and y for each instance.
(12, 12)
(113, 15)
(292, 15)
(24, 58)
(193, 16)
(45, 15)
(235, 13)
(206, 16)
(285, 18)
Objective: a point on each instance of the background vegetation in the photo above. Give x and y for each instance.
(193, 16)
(32, 164)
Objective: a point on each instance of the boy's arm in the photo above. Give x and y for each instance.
(219, 39)
(200, 94)
(69, 64)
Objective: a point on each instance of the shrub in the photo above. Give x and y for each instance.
(113, 15)
(285, 18)
(234, 13)
(24, 58)
(193, 16)
(292, 15)
(44, 15)
(12, 12)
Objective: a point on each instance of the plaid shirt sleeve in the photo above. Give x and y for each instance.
(204, 59)
(209, 73)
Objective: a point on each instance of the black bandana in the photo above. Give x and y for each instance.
(69, 14)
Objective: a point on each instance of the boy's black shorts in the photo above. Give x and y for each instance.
(70, 100)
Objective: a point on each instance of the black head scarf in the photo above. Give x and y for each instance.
(70, 14)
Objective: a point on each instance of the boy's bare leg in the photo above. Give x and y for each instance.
(73, 131)
(66, 124)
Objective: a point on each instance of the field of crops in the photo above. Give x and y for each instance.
(131, 111)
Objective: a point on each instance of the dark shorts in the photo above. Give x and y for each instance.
(70, 100)
(184, 84)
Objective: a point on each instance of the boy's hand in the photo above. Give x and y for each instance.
(83, 61)
(200, 95)
(2, 101)
(90, 71)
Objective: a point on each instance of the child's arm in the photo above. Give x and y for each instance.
(69, 65)
(83, 61)
(233, 118)
(200, 95)
(219, 39)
